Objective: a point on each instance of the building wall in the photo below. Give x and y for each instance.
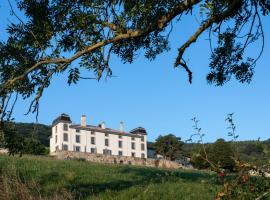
(85, 142)
(57, 131)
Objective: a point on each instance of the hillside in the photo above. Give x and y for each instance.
(33, 177)
(40, 131)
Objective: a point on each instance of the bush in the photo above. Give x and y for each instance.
(34, 147)
(220, 154)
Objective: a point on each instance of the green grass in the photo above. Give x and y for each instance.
(84, 180)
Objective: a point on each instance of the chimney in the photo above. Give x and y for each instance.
(83, 120)
(103, 125)
(122, 127)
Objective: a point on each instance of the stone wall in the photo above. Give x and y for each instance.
(100, 158)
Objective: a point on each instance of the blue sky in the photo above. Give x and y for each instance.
(158, 97)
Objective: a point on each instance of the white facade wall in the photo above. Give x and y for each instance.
(85, 141)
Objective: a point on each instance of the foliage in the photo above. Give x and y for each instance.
(39, 45)
(253, 152)
(169, 146)
(219, 153)
(245, 186)
(222, 155)
(11, 140)
(198, 161)
(40, 132)
(47, 178)
(21, 142)
(151, 145)
(32, 146)
(254, 148)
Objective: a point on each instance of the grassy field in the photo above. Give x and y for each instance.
(32, 177)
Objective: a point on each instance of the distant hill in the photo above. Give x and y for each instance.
(39, 131)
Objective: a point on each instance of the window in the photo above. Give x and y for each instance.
(55, 138)
(65, 147)
(65, 137)
(65, 127)
(106, 142)
(107, 152)
(133, 154)
(78, 139)
(92, 133)
(106, 134)
(78, 130)
(93, 150)
(143, 155)
(142, 146)
(133, 145)
(120, 153)
(77, 148)
(132, 138)
(120, 144)
(120, 136)
(56, 129)
(93, 140)
(142, 138)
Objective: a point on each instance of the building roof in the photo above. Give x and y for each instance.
(62, 118)
(106, 130)
(139, 130)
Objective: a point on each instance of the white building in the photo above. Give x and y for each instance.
(97, 139)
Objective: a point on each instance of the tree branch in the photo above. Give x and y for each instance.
(214, 19)
(161, 23)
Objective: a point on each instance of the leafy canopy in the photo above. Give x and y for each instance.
(169, 146)
(219, 154)
(57, 33)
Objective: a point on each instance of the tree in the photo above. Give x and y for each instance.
(11, 139)
(222, 154)
(32, 146)
(169, 146)
(219, 155)
(198, 158)
(55, 33)
(254, 148)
